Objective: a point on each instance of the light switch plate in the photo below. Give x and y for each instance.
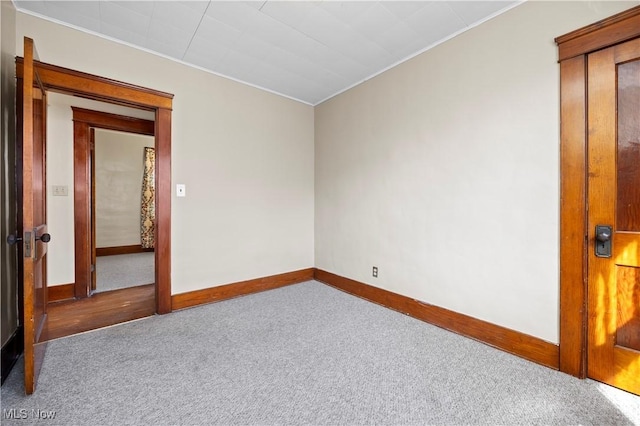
(181, 190)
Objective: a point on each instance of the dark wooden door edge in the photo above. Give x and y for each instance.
(573, 49)
(511, 341)
(11, 351)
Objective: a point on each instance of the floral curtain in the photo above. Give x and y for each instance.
(148, 205)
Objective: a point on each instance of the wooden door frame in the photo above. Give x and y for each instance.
(573, 49)
(67, 81)
(84, 120)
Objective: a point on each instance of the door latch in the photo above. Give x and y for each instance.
(603, 240)
(27, 244)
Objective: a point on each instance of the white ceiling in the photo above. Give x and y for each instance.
(305, 50)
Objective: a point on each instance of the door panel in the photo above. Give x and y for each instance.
(35, 234)
(614, 199)
(628, 150)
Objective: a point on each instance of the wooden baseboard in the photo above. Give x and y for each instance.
(11, 351)
(110, 251)
(514, 342)
(57, 293)
(228, 291)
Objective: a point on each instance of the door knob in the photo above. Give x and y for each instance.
(604, 235)
(12, 239)
(603, 240)
(45, 238)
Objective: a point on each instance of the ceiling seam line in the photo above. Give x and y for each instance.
(204, 13)
(286, 24)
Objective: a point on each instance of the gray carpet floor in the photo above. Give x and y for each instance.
(124, 270)
(303, 354)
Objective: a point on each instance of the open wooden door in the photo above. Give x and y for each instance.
(614, 216)
(34, 229)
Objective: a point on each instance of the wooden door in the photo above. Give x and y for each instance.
(613, 354)
(34, 228)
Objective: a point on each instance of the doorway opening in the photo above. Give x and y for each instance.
(114, 192)
(122, 209)
(57, 79)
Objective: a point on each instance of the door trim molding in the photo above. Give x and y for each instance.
(111, 251)
(57, 293)
(90, 86)
(83, 121)
(602, 34)
(573, 49)
(514, 342)
(66, 80)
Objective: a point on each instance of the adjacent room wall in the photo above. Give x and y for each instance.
(444, 171)
(61, 250)
(8, 254)
(245, 156)
(119, 158)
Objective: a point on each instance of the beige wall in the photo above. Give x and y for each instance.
(443, 171)
(8, 254)
(60, 253)
(119, 169)
(245, 156)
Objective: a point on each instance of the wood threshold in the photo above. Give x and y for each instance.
(57, 293)
(99, 310)
(111, 251)
(242, 288)
(511, 341)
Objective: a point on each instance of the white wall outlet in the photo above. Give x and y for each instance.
(181, 190)
(60, 190)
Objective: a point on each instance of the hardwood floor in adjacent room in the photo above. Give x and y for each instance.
(100, 310)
